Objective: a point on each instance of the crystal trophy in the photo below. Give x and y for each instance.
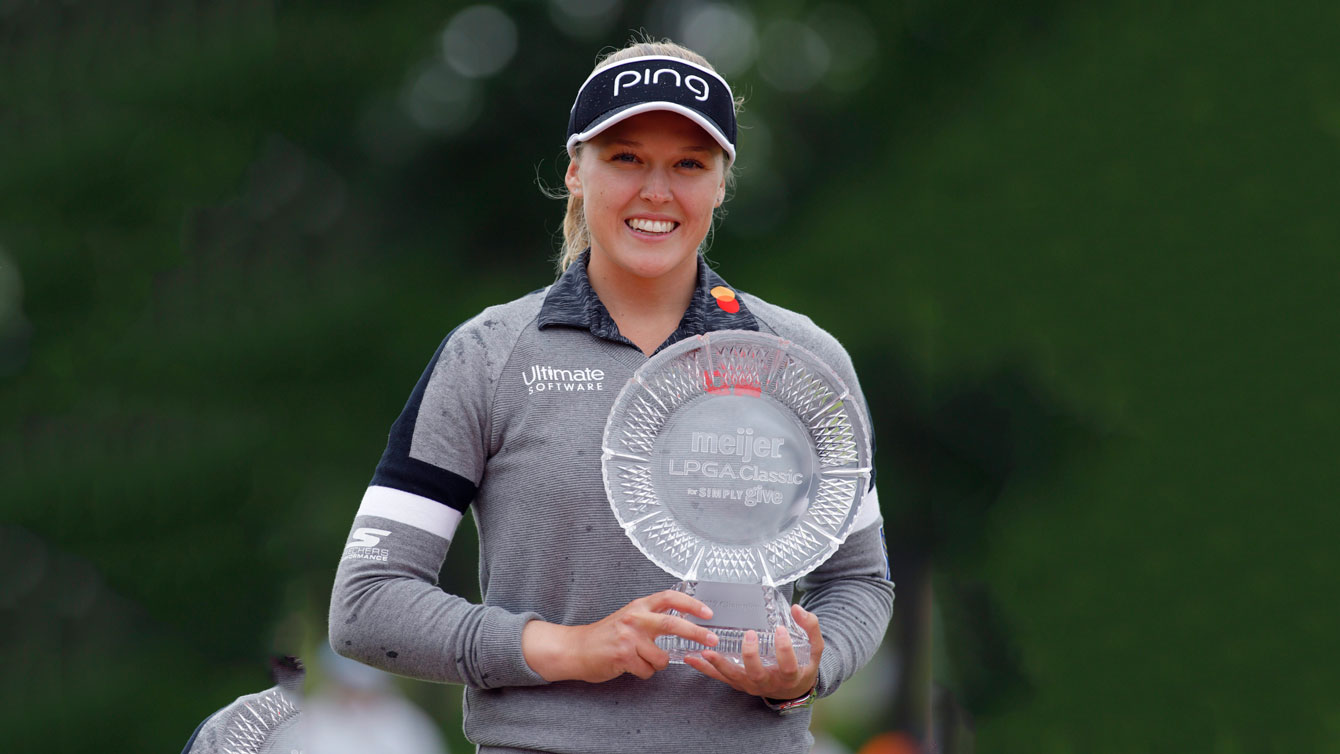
(736, 461)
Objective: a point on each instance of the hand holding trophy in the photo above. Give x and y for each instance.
(791, 676)
(736, 461)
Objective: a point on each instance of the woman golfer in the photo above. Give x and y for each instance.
(508, 419)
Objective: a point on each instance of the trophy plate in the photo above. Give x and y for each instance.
(737, 457)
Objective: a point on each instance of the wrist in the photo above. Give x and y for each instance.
(805, 686)
(544, 646)
(795, 704)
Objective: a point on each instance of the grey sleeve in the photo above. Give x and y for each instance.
(853, 598)
(851, 592)
(386, 609)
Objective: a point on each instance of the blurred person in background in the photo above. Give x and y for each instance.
(507, 421)
(360, 711)
(266, 722)
(357, 711)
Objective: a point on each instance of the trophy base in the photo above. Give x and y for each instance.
(737, 608)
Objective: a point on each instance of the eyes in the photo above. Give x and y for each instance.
(687, 163)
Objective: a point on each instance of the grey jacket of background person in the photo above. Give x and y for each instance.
(508, 418)
(268, 722)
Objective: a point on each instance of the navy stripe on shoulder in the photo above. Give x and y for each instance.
(398, 471)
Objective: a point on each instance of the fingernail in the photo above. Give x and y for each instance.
(712, 640)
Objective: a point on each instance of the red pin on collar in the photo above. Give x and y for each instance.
(725, 298)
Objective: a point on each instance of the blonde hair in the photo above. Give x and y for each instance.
(576, 235)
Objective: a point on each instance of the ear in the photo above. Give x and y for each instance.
(721, 192)
(573, 182)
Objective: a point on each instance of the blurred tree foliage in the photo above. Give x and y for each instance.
(1083, 255)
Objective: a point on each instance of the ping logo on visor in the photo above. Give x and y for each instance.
(656, 82)
(695, 83)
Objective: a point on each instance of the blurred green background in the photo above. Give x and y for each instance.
(1083, 254)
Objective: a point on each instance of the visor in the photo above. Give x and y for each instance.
(638, 85)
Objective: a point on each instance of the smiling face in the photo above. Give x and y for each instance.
(648, 187)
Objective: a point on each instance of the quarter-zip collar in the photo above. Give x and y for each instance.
(571, 302)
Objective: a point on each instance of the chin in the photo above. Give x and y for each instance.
(652, 265)
(654, 271)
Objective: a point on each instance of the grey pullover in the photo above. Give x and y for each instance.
(507, 421)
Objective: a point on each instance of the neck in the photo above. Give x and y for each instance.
(646, 310)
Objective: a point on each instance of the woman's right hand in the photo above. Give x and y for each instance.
(623, 642)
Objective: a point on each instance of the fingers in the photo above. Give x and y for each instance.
(653, 656)
(784, 679)
(810, 623)
(787, 664)
(663, 623)
(753, 663)
(633, 630)
(653, 620)
(624, 641)
(640, 668)
(725, 670)
(705, 667)
(673, 600)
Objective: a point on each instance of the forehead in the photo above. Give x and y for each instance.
(659, 128)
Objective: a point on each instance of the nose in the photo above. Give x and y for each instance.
(656, 187)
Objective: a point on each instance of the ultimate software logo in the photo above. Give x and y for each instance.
(539, 378)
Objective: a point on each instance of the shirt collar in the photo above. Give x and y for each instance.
(571, 302)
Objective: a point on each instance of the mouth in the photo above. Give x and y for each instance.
(647, 227)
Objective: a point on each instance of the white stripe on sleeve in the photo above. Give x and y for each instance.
(868, 513)
(413, 510)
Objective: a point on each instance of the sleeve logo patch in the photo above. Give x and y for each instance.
(363, 545)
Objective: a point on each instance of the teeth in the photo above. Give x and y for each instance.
(651, 226)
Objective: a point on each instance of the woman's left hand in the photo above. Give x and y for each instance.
(785, 680)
